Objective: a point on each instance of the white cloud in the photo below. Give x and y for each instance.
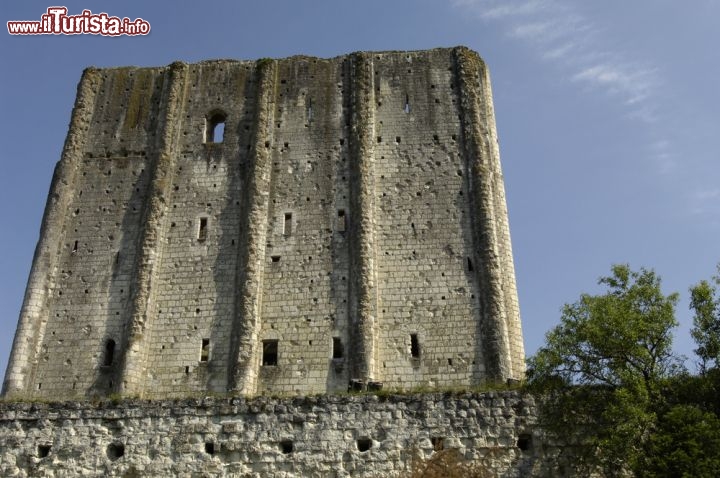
(661, 154)
(706, 201)
(518, 9)
(562, 35)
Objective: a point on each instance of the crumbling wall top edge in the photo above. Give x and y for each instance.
(233, 61)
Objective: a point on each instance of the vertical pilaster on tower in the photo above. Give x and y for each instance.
(34, 313)
(500, 321)
(363, 291)
(504, 245)
(251, 263)
(150, 242)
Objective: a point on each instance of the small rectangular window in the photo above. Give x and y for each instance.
(287, 224)
(341, 221)
(109, 352)
(469, 264)
(270, 352)
(205, 350)
(414, 346)
(337, 351)
(202, 229)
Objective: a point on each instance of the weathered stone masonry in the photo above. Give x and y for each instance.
(274, 226)
(324, 436)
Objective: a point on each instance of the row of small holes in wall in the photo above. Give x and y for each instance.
(406, 107)
(287, 230)
(398, 140)
(215, 122)
(115, 451)
(270, 350)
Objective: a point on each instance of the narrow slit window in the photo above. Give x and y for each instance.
(310, 110)
(109, 352)
(469, 264)
(202, 229)
(337, 350)
(414, 346)
(215, 128)
(341, 221)
(287, 224)
(407, 104)
(205, 350)
(75, 246)
(270, 352)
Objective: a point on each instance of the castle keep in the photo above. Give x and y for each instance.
(276, 226)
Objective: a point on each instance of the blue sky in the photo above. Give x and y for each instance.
(608, 115)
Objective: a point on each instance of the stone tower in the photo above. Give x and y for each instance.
(274, 226)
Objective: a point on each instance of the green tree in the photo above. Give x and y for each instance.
(706, 330)
(684, 445)
(602, 369)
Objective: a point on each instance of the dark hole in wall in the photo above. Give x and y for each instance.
(414, 346)
(115, 451)
(438, 443)
(341, 221)
(275, 258)
(286, 446)
(205, 350)
(109, 352)
(337, 351)
(270, 352)
(75, 247)
(469, 264)
(209, 448)
(43, 451)
(364, 444)
(524, 441)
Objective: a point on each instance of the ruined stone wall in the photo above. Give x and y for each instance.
(350, 223)
(324, 436)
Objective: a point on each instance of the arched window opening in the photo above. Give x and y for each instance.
(215, 127)
(109, 352)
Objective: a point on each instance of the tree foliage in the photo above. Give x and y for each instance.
(706, 322)
(602, 369)
(684, 445)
